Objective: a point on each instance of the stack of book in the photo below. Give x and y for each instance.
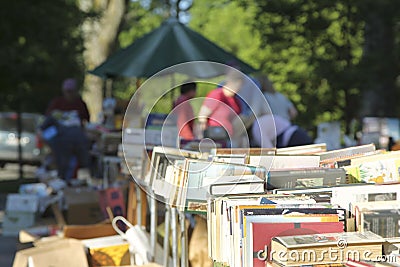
(347, 195)
(294, 200)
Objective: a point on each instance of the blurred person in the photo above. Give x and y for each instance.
(254, 105)
(184, 110)
(68, 114)
(280, 105)
(275, 131)
(221, 107)
(70, 102)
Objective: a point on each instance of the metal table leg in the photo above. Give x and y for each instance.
(166, 236)
(174, 230)
(153, 225)
(184, 240)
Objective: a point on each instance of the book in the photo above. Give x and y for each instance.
(264, 232)
(302, 150)
(346, 196)
(236, 185)
(384, 222)
(294, 216)
(307, 177)
(342, 161)
(326, 248)
(379, 168)
(161, 158)
(321, 194)
(277, 162)
(248, 151)
(231, 158)
(368, 263)
(225, 225)
(348, 151)
(200, 175)
(106, 251)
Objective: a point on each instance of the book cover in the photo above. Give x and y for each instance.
(264, 232)
(346, 196)
(385, 223)
(201, 174)
(235, 185)
(304, 178)
(316, 240)
(348, 151)
(276, 162)
(280, 215)
(107, 251)
(318, 248)
(302, 150)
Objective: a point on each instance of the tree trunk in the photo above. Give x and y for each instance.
(100, 35)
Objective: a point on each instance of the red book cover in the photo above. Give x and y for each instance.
(264, 232)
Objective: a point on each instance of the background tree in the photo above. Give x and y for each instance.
(100, 34)
(380, 61)
(315, 48)
(40, 46)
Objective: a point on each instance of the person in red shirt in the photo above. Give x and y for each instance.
(70, 101)
(184, 111)
(222, 105)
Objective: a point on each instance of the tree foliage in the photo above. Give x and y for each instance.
(336, 60)
(315, 48)
(314, 51)
(40, 46)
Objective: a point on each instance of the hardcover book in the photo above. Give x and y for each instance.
(326, 248)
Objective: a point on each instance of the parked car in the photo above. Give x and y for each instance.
(33, 150)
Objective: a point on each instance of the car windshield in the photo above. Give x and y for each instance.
(10, 124)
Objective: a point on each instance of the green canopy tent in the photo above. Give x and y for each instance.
(170, 44)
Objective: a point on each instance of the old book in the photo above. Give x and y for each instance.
(380, 168)
(302, 150)
(342, 161)
(106, 251)
(285, 161)
(248, 151)
(200, 175)
(236, 185)
(262, 234)
(348, 151)
(281, 214)
(346, 196)
(326, 248)
(161, 158)
(307, 177)
(384, 222)
(231, 158)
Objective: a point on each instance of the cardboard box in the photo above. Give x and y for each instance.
(88, 231)
(82, 206)
(60, 253)
(115, 199)
(22, 202)
(15, 221)
(36, 233)
(105, 251)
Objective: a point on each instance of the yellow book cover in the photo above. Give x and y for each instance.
(107, 251)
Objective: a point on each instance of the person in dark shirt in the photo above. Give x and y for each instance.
(70, 145)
